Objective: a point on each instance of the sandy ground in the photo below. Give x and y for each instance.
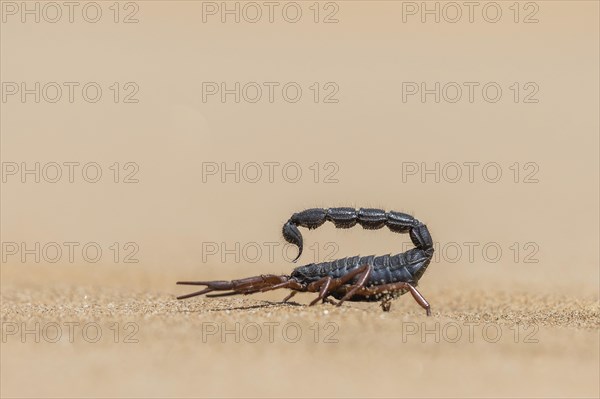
(478, 343)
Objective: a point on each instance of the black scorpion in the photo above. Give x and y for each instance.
(357, 278)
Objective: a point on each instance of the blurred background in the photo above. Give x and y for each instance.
(148, 142)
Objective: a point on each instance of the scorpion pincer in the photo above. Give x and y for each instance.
(357, 278)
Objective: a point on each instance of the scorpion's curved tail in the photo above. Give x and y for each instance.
(245, 286)
(368, 218)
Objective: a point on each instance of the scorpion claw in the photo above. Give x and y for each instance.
(210, 286)
(245, 286)
(204, 291)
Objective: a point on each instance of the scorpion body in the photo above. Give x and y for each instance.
(366, 278)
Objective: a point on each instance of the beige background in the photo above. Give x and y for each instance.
(368, 134)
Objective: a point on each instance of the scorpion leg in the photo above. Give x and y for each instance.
(324, 283)
(287, 298)
(387, 288)
(329, 300)
(419, 298)
(329, 284)
(386, 304)
(360, 284)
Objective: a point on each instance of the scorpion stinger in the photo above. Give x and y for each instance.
(358, 278)
(293, 236)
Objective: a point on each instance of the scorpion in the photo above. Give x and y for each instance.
(358, 278)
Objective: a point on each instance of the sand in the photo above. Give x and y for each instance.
(477, 343)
